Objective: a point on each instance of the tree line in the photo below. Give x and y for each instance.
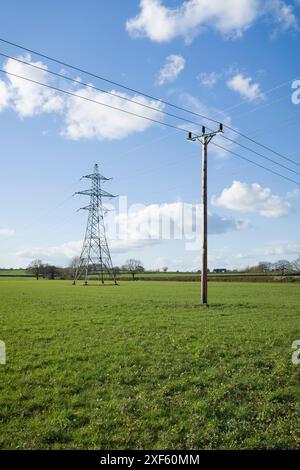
(282, 266)
(133, 266)
(49, 271)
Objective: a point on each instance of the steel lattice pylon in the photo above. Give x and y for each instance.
(95, 256)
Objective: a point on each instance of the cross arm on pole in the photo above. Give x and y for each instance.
(208, 136)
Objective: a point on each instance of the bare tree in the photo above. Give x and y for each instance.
(264, 267)
(133, 266)
(296, 265)
(36, 268)
(73, 264)
(283, 266)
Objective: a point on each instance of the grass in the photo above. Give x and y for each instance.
(142, 366)
(13, 272)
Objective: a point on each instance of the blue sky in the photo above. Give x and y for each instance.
(233, 60)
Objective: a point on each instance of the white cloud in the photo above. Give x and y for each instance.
(168, 221)
(282, 249)
(208, 79)
(293, 194)
(174, 65)
(4, 95)
(231, 18)
(251, 198)
(283, 15)
(86, 120)
(218, 224)
(6, 232)
(82, 118)
(141, 227)
(245, 87)
(54, 253)
(160, 23)
(29, 98)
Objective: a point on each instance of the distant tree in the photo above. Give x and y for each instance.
(74, 262)
(261, 267)
(268, 266)
(165, 269)
(264, 267)
(51, 271)
(117, 270)
(133, 266)
(66, 273)
(283, 266)
(73, 266)
(36, 268)
(296, 265)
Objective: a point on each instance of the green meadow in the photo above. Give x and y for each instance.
(143, 366)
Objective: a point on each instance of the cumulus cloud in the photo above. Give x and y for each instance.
(144, 226)
(6, 232)
(208, 79)
(55, 253)
(218, 224)
(4, 95)
(245, 87)
(231, 18)
(177, 220)
(27, 98)
(82, 119)
(282, 249)
(283, 15)
(160, 23)
(252, 198)
(86, 120)
(293, 194)
(172, 68)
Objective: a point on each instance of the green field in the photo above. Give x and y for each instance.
(142, 366)
(13, 272)
(174, 276)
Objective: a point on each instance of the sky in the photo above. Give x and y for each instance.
(235, 61)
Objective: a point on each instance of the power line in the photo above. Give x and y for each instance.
(143, 105)
(261, 145)
(282, 123)
(263, 156)
(116, 95)
(140, 116)
(267, 92)
(99, 77)
(92, 101)
(262, 106)
(150, 170)
(255, 163)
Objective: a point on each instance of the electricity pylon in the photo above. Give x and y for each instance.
(205, 139)
(95, 256)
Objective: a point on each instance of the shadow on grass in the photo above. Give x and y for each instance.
(97, 285)
(242, 305)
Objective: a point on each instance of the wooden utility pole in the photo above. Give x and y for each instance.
(205, 139)
(204, 223)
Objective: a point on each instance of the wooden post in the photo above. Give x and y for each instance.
(204, 223)
(205, 139)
